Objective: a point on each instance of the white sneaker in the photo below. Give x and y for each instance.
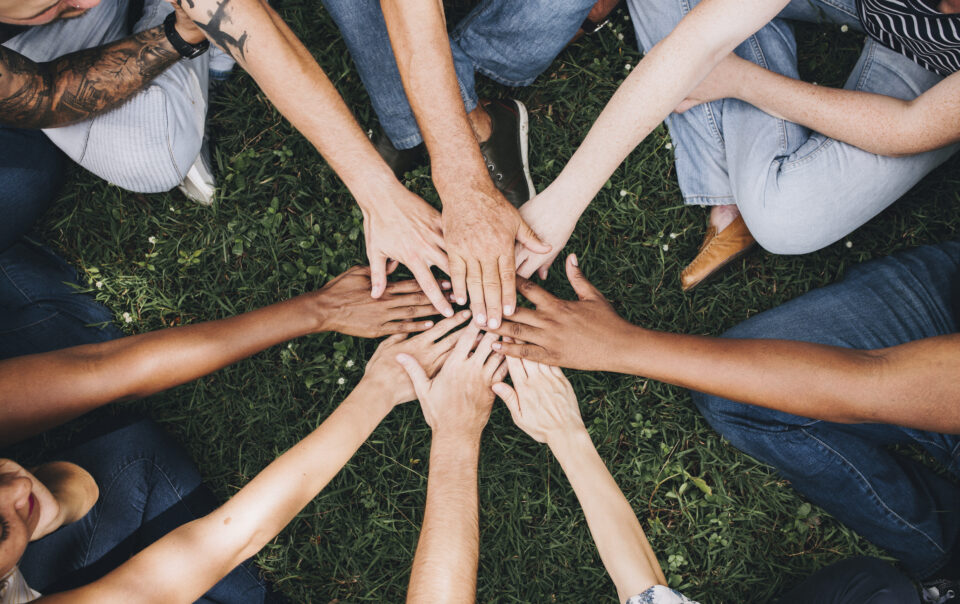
(199, 184)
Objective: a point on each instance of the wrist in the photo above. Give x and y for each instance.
(569, 439)
(375, 395)
(626, 348)
(465, 438)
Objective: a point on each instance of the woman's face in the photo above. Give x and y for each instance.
(26, 508)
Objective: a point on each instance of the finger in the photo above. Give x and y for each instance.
(531, 365)
(491, 292)
(542, 271)
(533, 292)
(585, 290)
(404, 327)
(378, 276)
(524, 351)
(508, 283)
(518, 331)
(517, 373)
(411, 311)
(509, 397)
(531, 241)
(524, 267)
(484, 347)
(429, 285)
(392, 266)
(396, 337)
(465, 341)
(458, 277)
(445, 325)
(492, 365)
(475, 291)
(440, 260)
(421, 383)
(500, 373)
(407, 286)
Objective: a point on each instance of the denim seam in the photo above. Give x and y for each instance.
(35, 323)
(13, 281)
(872, 491)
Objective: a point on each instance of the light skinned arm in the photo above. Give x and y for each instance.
(479, 224)
(660, 81)
(456, 404)
(184, 564)
(874, 122)
(40, 391)
(909, 385)
(543, 404)
(397, 224)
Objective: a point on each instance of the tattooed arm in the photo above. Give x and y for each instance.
(82, 84)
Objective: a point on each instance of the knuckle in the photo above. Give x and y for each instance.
(410, 311)
(515, 329)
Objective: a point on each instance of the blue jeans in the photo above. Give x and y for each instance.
(148, 487)
(797, 190)
(39, 307)
(848, 469)
(509, 41)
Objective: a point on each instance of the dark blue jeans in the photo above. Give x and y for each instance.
(148, 487)
(849, 470)
(39, 307)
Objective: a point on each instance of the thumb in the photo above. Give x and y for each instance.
(531, 240)
(509, 397)
(378, 276)
(421, 383)
(584, 289)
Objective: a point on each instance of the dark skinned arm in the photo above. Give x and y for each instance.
(912, 385)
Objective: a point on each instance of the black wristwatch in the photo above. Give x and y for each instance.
(186, 49)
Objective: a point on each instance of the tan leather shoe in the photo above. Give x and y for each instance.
(716, 251)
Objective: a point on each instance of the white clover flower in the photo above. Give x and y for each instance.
(848, 244)
(844, 28)
(626, 17)
(673, 235)
(628, 66)
(349, 363)
(668, 146)
(127, 318)
(666, 247)
(623, 192)
(152, 240)
(173, 209)
(341, 382)
(99, 284)
(620, 36)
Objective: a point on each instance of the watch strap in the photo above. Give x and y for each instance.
(186, 49)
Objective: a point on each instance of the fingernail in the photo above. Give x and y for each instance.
(445, 284)
(461, 301)
(482, 319)
(428, 324)
(508, 310)
(497, 346)
(466, 314)
(573, 260)
(448, 312)
(494, 323)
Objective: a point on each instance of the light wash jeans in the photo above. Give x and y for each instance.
(798, 190)
(148, 143)
(509, 41)
(890, 498)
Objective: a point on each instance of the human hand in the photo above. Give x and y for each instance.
(344, 305)
(541, 402)
(480, 230)
(720, 83)
(458, 400)
(429, 348)
(185, 26)
(580, 334)
(407, 230)
(553, 227)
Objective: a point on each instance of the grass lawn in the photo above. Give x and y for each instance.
(726, 528)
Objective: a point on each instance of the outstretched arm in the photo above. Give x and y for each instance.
(545, 407)
(185, 563)
(909, 385)
(82, 84)
(874, 122)
(456, 404)
(40, 391)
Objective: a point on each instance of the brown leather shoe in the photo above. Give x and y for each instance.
(716, 251)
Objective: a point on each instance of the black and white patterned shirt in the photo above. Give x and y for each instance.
(915, 29)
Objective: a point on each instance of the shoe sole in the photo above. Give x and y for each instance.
(524, 146)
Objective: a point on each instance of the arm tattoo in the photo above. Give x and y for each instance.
(82, 84)
(213, 28)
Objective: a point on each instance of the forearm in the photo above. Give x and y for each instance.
(44, 390)
(622, 544)
(875, 123)
(420, 43)
(445, 565)
(82, 84)
(911, 385)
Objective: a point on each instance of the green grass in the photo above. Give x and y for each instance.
(285, 225)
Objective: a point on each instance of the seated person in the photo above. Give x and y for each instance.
(111, 91)
(768, 179)
(824, 385)
(71, 527)
(543, 404)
